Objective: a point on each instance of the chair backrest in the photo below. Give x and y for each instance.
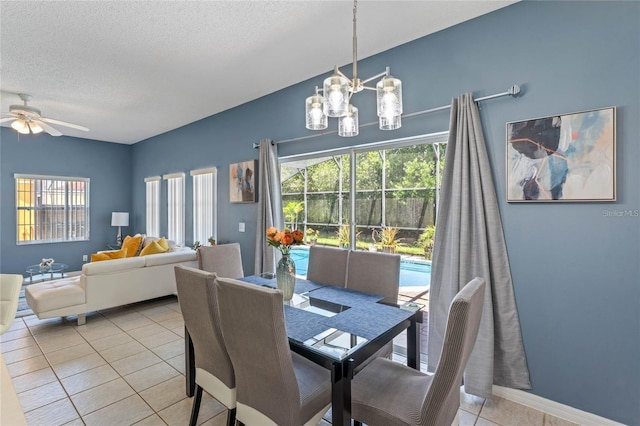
(443, 398)
(253, 325)
(198, 303)
(10, 285)
(376, 273)
(225, 260)
(328, 265)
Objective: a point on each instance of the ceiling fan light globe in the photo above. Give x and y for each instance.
(20, 126)
(35, 128)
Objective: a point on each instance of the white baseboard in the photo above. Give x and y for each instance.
(554, 408)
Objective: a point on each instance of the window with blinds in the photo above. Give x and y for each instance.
(153, 206)
(51, 209)
(204, 204)
(175, 207)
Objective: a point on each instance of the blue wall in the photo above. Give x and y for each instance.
(108, 165)
(576, 272)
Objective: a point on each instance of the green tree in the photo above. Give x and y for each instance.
(291, 212)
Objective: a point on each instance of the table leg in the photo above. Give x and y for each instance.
(340, 396)
(189, 364)
(413, 345)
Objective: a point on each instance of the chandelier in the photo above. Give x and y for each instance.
(334, 99)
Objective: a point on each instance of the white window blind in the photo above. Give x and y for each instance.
(204, 204)
(175, 207)
(51, 209)
(153, 206)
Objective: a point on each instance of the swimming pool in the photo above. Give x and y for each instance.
(413, 273)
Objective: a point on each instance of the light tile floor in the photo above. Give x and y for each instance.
(126, 366)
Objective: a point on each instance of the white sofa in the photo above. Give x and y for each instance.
(108, 284)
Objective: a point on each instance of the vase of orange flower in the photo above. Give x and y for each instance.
(286, 267)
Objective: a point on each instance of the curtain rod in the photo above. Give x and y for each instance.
(513, 91)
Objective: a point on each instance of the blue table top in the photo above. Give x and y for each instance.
(364, 317)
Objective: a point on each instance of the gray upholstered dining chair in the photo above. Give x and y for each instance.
(372, 272)
(327, 265)
(10, 285)
(275, 386)
(224, 259)
(389, 393)
(376, 273)
(214, 371)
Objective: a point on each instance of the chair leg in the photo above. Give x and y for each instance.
(231, 417)
(196, 406)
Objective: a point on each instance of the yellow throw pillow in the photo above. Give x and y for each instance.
(163, 243)
(130, 245)
(107, 255)
(152, 248)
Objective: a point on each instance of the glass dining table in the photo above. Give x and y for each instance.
(339, 329)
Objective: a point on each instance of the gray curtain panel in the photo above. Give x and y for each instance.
(269, 205)
(469, 242)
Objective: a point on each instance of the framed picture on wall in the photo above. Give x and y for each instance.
(242, 182)
(569, 157)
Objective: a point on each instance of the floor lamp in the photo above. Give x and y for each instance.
(119, 219)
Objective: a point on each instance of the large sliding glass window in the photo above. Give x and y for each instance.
(396, 186)
(51, 209)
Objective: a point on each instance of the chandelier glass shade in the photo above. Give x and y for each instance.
(348, 124)
(334, 99)
(316, 118)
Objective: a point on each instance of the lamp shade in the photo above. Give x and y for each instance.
(389, 100)
(336, 95)
(35, 128)
(20, 126)
(316, 119)
(348, 125)
(119, 219)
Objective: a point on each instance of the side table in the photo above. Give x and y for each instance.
(54, 268)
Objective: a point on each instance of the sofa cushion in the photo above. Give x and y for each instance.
(130, 245)
(52, 295)
(108, 255)
(153, 247)
(164, 243)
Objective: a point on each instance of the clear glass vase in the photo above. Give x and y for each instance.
(286, 276)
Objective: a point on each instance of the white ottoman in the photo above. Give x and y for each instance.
(57, 298)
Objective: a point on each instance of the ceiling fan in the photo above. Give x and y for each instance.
(27, 119)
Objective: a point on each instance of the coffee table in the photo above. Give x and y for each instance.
(54, 268)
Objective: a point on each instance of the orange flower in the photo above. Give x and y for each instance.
(287, 239)
(271, 232)
(283, 240)
(298, 236)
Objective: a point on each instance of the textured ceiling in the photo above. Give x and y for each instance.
(130, 70)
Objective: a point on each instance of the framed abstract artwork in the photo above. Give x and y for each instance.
(242, 182)
(569, 157)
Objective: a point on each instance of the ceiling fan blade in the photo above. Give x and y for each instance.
(2, 120)
(47, 128)
(64, 123)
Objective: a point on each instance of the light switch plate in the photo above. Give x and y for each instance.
(241, 227)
